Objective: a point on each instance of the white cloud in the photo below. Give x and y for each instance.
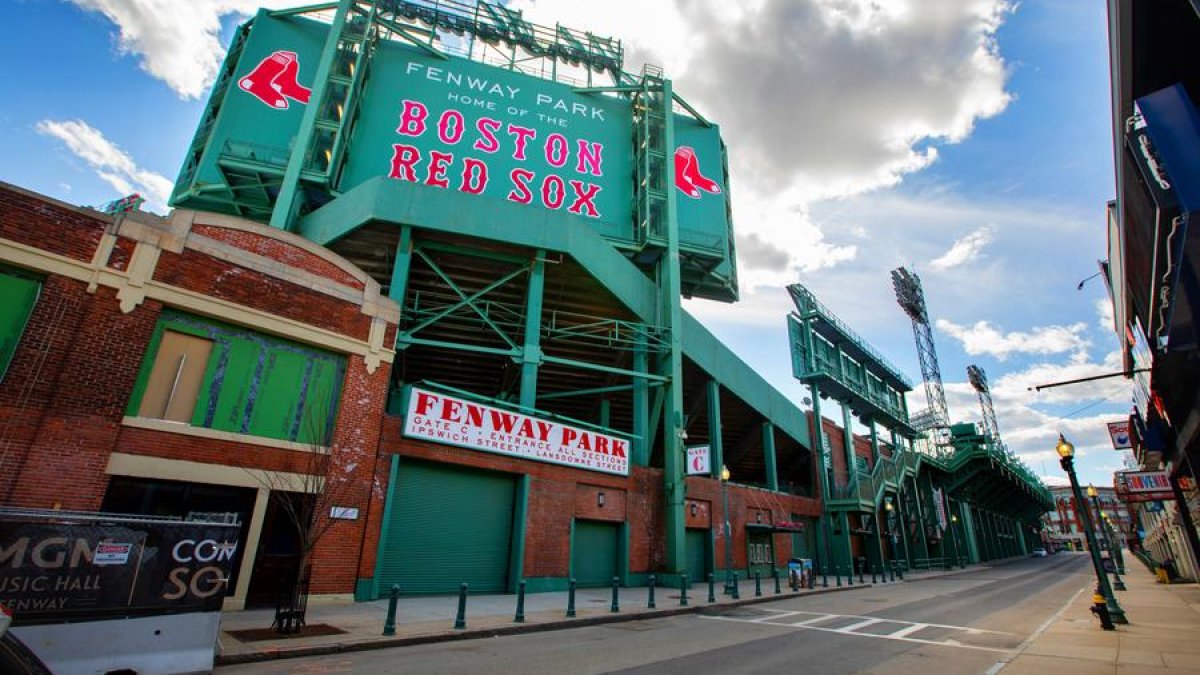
(111, 163)
(965, 250)
(177, 42)
(817, 99)
(1104, 310)
(983, 338)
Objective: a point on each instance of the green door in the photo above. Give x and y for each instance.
(761, 554)
(448, 525)
(695, 542)
(594, 553)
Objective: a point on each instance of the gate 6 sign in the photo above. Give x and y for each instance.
(698, 462)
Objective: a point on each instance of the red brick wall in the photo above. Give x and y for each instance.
(31, 220)
(89, 372)
(67, 389)
(280, 251)
(216, 278)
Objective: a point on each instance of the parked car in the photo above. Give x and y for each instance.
(1039, 552)
(15, 657)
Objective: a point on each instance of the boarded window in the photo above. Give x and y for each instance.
(232, 379)
(18, 294)
(176, 377)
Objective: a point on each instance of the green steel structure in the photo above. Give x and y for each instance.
(925, 501)
(547, 282)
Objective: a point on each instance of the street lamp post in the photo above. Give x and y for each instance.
(1114, 534)
(1066, 451)
(1114, 552)
(954, 538)
(729, 582)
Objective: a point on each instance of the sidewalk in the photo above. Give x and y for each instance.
(425, 619)
(1163, 634)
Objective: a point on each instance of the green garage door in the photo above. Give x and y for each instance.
(448, 525)
(695, 542)
(594, 553)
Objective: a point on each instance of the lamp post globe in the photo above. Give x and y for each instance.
(1066, 451)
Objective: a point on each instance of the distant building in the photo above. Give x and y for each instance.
(1064, 527)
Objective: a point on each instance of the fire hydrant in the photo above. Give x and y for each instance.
(1100, 609)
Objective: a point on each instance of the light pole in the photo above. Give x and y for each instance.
(729, 582)
(1066, 451)
(1114, 533)
(954, 538)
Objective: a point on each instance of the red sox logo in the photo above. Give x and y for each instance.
(273, 81)
(688, 178)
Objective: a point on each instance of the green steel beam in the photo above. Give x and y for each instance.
(384, 199)
(520, 525)
(590, 392)
(283, 215)
(531, 350)
(467, 300)
(715, 446)
(672, 359)
(641, 406)
(604, 369)
(320, 7)
(768, 442)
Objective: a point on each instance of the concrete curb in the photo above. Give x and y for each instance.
(515, 629)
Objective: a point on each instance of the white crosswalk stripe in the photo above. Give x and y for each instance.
(959, 636)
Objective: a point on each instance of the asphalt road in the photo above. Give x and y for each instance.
(957, 624)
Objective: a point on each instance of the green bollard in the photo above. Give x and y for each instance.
(650, 585)
(837, 575)
(775, 574)
(874, 575)
(757, 584)
(683, 589)
(520, 617)
(616, 606)
(389, 625)
(892, 569)
(899, 570)
(571, 599)
(860, 575)
(735, 587)
(824, 578)
(460, 621)
(712, 588)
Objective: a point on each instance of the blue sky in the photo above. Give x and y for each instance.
(970, 142)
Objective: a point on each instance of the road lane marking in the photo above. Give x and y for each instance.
(909, 630)
(902, 635)
(861, 624)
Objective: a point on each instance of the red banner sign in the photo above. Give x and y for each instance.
(466, 424)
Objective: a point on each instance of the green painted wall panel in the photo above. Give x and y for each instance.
(18, 294)
(594, 553)
(695, 543)
(448, 525)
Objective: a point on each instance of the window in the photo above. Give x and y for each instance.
(211, 375)
(18, 294)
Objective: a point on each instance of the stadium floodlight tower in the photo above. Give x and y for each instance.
(912, 300)
(979, 381)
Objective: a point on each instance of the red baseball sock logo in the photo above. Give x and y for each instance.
(273, 81)
(688, 178)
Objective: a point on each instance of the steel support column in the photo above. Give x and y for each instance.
(715, 447)
(531, 350)
(768, 437)
(671, 316)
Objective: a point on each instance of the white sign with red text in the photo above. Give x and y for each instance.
(698, 463)
(1119, 433)
(466, 424)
